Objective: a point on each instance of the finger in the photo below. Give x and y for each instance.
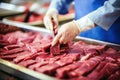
(55, 18)
(63, 39)
(48, 23)
(56, 39)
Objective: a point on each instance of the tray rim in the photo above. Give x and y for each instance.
(15, 66)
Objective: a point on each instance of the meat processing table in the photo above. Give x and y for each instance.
(82, 59)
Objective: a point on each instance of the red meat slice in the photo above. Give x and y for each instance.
(27, 63)
(76, 48)
(107, 70)
(98, 48)
(94, 74)
(3, 43)
(36, 47)
(115, 76)
(64, 48)
(55, 50)
(38, 38)
(13, 51)
(14, 36)
(50, 59)
(55, 58)
(9, 57)
(73, 56)
(63, 71)
(111, 60)
(64, 62)
(81, 78)
(86, 57)
(48, 69)
(22, 57)
(9, 47)
(68, 59)
(42, 57)
(86, 67)
(37, 65)
(47, 38)
(12, 56)
(111, 53)
(59, 49)
(35, 55)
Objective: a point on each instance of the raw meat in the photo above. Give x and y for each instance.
(63, 72)
(95, 72)
(115, 76)
(37, 65)
(86, 67)
(108, 69)
(72, 61)
(9, 47)
(21, 57)
(48, 69)
(27, 63)
(55, 50)
(13, 51)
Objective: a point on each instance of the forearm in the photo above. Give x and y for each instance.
(106, 15)
(84, 24)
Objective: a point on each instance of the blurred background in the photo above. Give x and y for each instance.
(30, 12)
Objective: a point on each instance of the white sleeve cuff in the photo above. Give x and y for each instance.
(106, 15)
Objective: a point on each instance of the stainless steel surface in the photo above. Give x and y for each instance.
(97, 42)
(12, 7)
(27, 27)
(28, 74)
(10, 10)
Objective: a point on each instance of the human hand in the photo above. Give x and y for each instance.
(70, 30)
(66, 33)
(51, 14)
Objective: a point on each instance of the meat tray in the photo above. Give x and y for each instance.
(19, 71)
(28, 74)
(39, 19)
(10, 10)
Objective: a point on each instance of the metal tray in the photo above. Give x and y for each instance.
(27, 74)
(62, 19)
(10, 10)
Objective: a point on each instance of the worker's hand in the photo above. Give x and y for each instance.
(66, 33)
(51, 14)
(70, 30)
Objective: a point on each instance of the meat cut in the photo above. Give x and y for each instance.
(54, 50)
(72, 61)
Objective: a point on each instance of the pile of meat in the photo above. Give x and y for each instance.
(76, 61)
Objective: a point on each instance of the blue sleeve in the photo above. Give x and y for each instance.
(61, 5)
(106, 15)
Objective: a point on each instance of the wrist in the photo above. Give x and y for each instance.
(84, 24)
(77, 26)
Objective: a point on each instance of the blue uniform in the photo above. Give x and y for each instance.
(84, 7)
